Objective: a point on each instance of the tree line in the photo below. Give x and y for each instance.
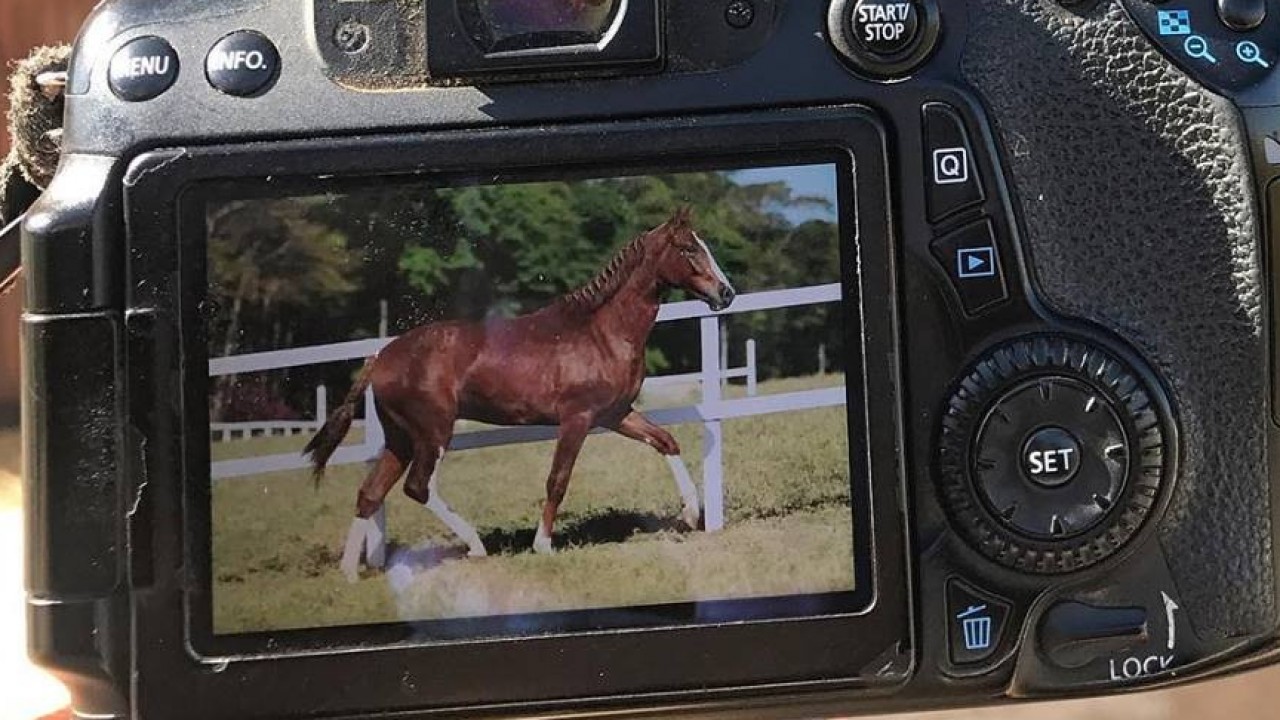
(294, 272)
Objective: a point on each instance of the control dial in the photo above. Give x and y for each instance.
(1051, 454)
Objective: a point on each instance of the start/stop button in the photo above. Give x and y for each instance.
(884, 39)
(885, 27)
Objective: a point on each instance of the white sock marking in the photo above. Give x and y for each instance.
(542, 540)
(460, 527)
(356, 535)
(688, 492)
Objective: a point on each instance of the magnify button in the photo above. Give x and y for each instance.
(1198, 48)
(1249, 52)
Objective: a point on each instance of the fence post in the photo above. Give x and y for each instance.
(373, 437)
(751, 368)
(712, 430)
(375, 540)
(322, 406)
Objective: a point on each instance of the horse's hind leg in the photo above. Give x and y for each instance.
(366, 528)
(427, 463)
(639, 427)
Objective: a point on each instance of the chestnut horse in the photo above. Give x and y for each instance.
(577, 363)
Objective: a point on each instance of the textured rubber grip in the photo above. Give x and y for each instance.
(1133, 184)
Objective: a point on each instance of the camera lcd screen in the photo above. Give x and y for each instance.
(549, 402)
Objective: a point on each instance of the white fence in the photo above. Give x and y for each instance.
(710, 412)
(223, 432)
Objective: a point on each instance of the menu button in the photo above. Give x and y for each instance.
(143, 69)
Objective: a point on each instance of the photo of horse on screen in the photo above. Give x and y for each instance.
(577, 364)
(558, 403)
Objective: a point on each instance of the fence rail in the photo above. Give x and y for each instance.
(359, 349)
(226, 431)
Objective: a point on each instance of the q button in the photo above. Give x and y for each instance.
(243, 64)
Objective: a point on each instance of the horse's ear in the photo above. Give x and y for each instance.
(683, 216)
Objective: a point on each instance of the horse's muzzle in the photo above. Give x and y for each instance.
(723, 299)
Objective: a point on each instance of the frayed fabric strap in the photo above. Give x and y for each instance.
(35, 129)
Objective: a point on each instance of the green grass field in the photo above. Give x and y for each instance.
(277, 540)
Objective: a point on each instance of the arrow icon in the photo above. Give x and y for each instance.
(976, 262)
(1169, 607)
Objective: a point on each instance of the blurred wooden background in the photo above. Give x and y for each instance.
(25, 24)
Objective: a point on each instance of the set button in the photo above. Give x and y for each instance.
(1052, 457)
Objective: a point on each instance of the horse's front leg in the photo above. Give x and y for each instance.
(573, 432)
(638, 427)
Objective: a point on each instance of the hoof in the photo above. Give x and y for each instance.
(692, 517)
(352, 574)
(478, 552)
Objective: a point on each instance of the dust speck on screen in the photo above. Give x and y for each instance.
(542, 405)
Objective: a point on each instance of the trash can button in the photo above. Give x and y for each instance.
(975, 623)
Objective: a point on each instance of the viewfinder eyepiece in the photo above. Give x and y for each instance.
(470, 38)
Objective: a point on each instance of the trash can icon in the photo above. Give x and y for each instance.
(976, 625)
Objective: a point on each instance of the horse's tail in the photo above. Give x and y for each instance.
(322, 445)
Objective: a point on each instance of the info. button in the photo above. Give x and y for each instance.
(244, 64)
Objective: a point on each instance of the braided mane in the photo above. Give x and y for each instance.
(609, 280)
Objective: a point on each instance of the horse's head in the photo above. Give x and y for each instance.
(686, 262)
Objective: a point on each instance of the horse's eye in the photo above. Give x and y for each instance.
(688, 252)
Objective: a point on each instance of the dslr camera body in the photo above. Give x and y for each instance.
(902, 354)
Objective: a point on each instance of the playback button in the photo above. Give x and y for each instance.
(971, 258)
